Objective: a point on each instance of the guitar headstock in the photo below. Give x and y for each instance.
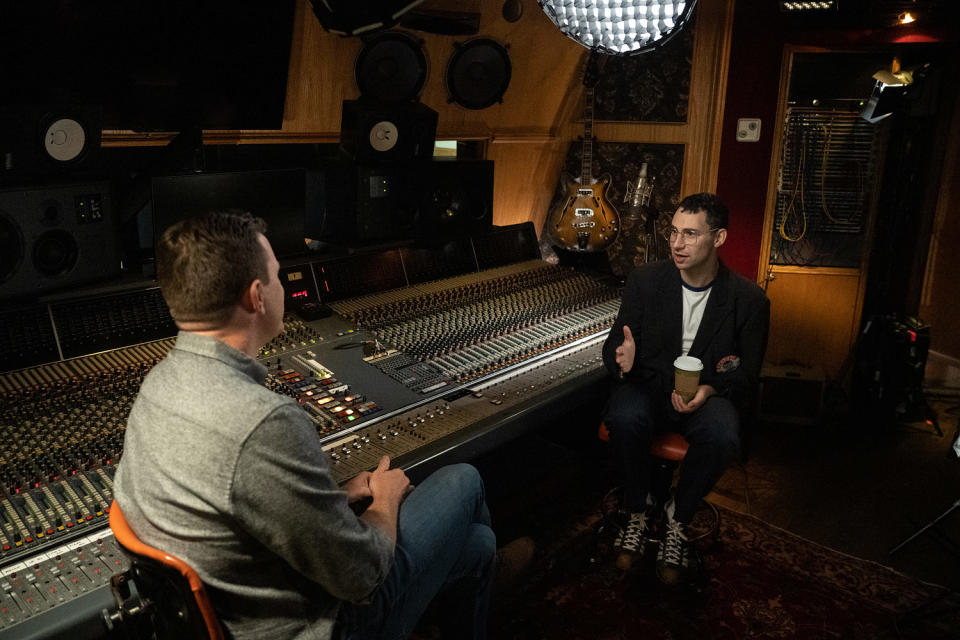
(593, 68)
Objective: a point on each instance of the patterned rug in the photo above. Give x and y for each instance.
(759, 582)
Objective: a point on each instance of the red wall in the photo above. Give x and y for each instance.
(760, 31)
(752, 88)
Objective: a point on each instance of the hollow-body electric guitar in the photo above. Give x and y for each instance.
(585, 220)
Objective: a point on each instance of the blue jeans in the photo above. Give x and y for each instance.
(634, 414)
(445, 548)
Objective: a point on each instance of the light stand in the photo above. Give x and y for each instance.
(946, 542)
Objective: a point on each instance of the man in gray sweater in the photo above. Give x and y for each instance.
(231, 478)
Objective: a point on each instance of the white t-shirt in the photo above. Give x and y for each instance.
(694, 302)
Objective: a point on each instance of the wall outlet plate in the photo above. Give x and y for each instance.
(748, 129)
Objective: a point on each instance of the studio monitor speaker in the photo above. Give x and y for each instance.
(38, 140)
(374, 132)
(456, 198)
(478, 73)
(55, 237)
(391, 68)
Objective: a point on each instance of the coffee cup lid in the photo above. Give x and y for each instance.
(688, 363)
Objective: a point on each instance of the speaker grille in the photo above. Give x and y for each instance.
(478, 73)
(55, 253)
(391, 68)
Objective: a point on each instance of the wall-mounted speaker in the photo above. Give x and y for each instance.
(478, 73)
(48, 140)
(456, 198)
(374, 132)
(54, 237)
(391, 68)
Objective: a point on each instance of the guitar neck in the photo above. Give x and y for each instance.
(586, 162)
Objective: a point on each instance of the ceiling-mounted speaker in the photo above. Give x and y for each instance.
(391, 68)
(478, 73)
(54, 237)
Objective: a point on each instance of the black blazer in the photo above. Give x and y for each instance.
(730, 342)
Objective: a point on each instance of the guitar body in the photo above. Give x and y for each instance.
(586, 220)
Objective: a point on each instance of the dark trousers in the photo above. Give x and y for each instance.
(634, 414)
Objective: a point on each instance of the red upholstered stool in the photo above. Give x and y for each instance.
(670, 448)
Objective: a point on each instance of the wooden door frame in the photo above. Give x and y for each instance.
(767, 272)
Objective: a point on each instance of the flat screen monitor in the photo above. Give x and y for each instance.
(277, 196)
(151, 66)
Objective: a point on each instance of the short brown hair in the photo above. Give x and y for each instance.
(204, 264)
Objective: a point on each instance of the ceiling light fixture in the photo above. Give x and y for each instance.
(809, 5)
(619, 27)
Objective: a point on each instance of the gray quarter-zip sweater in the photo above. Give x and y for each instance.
(230, 477)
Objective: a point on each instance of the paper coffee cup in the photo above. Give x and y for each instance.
(686, 376)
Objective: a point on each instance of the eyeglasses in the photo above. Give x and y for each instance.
(690, 236)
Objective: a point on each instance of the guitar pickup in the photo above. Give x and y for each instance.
(583, 213)
(584, 224)
(585, 192)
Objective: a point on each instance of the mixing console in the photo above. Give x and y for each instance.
(426, 373)
(431, 428)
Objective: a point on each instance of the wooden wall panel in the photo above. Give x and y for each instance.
(525, 175)
(812, 320)
(529, 133)
(543, 61)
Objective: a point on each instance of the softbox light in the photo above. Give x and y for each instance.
(619, 27)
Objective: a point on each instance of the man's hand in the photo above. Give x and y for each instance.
(704, 391)
(627, 351)
(388, 485)
(358, 487)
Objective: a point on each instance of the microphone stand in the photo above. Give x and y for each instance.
(637, 197)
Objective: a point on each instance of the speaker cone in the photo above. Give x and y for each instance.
(55, 253)
(11, 248)
(478, 73)
(391, 68)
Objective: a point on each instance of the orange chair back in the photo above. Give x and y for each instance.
(129, 540)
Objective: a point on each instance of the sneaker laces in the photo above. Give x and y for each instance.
(634, 534)
(674, 544)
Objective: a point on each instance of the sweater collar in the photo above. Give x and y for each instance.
(212, 348)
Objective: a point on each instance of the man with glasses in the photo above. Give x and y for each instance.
(688, 305)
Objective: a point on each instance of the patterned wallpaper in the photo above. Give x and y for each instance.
(651, 87)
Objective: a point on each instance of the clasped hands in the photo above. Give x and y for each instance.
(382, 483)
(626, 354)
